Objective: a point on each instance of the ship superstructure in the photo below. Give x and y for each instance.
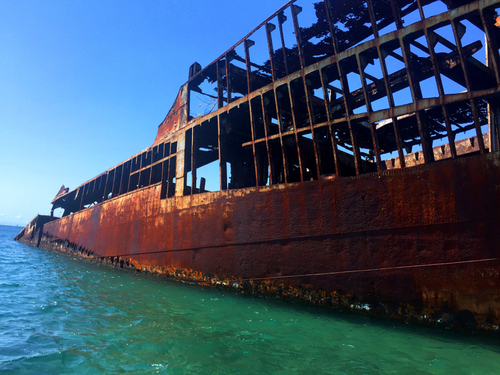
(341, 152)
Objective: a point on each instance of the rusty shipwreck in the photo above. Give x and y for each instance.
(345, 153)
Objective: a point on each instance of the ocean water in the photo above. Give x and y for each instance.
(60, 315)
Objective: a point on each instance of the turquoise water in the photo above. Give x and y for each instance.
(60, 315)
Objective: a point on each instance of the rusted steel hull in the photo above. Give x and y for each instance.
(418, 243)
(331, 134)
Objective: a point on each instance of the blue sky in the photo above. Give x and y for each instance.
(85, 84)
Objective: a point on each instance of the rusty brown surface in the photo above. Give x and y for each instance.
(323, 195)
(176, 117)
(421, 236)
(32, 233)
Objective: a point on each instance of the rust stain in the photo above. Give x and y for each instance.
(378, 197)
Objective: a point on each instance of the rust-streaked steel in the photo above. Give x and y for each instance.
(348, 184)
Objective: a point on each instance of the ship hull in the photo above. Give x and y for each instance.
(419, 244)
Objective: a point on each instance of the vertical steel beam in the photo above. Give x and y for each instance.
(416, 94)
(368, 105)
(280, 128)
(331, 27)
(247, 44)
(431, 42)
(252, 130)
(390, 98)
(269, 28)
(294, 121)
(265, 119)
(281, 20)
(296, 10)
(396, 14)
(310, 113)
(222, 159)
(373, 18)
(220, 85)
(328, 116)
(193, 160)
(228, 80)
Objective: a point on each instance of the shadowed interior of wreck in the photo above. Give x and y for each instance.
(321, 91)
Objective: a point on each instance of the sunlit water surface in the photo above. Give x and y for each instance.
(60, 315)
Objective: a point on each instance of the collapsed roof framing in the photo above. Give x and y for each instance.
(354, 84)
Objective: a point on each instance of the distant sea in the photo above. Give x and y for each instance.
(60, 315)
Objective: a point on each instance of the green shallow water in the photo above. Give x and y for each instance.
(60, 315)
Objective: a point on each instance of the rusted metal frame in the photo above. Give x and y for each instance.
(461, 55)
(492, 43)
(416, 94)
(228, 80)
(82, 189)
(294, 121)
(105, 196)
(310, 112)
(492, 58)
(426, 103)
(87, 190)
(437, 75)
(114, 180)
(150, 169)
(165, 179)
(252, 130)
(281, 19)
(430, 38)
(121, 178)
(269, 28)
(120, 190)
(220, 86)
(152, 164)
(468, 85)
(477, 125)
(97, 186)
(222, 159)
(141, 169)
(280, 127)
(393, 112)
(137, 171)
(493, 125)
(346, 94)
(396, 14)
(492, 109)
(332, 27)
(112, 184)
(172, 168)
(193, 160)
(420, 10)
(84, 195)
(296, 10)
(390, 98)
(434, 21)
(130, 176)
(332, 133)
(285, 134)
(247, 43)
(449, 130)
(368, 105)
(268, 146)
(245, 37)
(373, 18)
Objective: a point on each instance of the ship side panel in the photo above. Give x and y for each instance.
(427, 234)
